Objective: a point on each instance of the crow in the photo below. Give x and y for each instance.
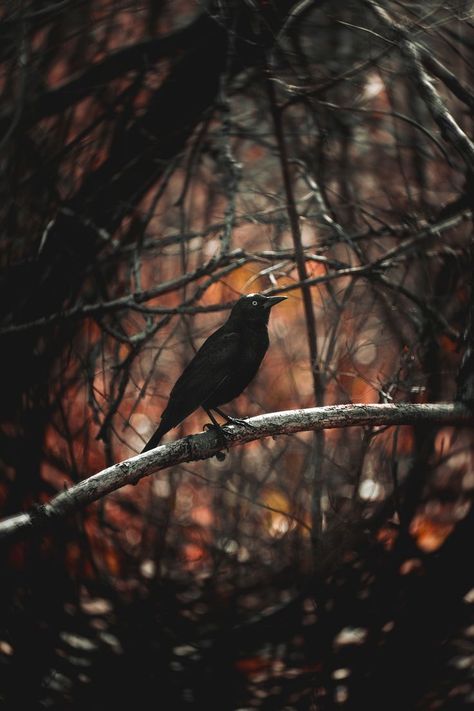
(223, 367)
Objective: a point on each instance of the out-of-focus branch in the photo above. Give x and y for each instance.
(296, 235)
(438, 69)
(217, 268)
(230, 261)
(414, 53)
(208, 444)
(140, 56)
(465, 377)
(318, 388)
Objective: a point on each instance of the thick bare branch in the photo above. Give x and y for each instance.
(208, 444)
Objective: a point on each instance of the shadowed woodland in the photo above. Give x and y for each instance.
(158, 160)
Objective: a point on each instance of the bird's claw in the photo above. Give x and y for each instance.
(239, 421)
(220, 436)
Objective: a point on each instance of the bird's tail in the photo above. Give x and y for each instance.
(156, 438)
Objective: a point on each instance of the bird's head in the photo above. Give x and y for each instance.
(255, 308)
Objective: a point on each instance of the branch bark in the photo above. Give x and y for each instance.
(206, 445)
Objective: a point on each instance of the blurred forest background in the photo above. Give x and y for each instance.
(158, 159)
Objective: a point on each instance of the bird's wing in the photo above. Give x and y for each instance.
(214, 362)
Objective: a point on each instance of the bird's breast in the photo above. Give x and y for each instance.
(254, 345)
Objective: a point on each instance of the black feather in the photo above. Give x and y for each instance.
(224, 365)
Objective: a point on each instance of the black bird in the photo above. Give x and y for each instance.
(223, 366)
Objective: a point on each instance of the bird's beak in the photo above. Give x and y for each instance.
(273, 300)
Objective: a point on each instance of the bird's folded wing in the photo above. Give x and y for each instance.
(214, 362)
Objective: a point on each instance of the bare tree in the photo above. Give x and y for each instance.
(158, 160)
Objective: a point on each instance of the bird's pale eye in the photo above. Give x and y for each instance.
(254, 303)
